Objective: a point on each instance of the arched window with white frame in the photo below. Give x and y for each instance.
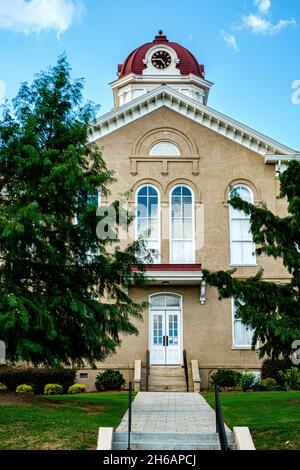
(241, 239)
(182, 225)
(148, 218)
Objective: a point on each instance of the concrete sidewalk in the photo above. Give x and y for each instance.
(170, 413)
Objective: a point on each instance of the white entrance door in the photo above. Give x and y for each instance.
(165, 337)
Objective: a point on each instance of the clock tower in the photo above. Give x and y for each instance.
(158, 63)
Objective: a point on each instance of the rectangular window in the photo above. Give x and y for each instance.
(242, 334)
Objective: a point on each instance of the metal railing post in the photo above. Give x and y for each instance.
(220, 426)
(129, 414)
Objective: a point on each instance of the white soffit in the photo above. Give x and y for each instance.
(203, 115)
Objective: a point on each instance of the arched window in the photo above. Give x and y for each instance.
(242, 246)
(165, 301)
(148, 218)
(182, 225)
(164, 149)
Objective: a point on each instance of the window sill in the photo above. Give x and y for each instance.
(241, 348)
(243, 265)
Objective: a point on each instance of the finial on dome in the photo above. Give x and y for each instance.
(160, 37)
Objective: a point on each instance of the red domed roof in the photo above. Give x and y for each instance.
(187, 61)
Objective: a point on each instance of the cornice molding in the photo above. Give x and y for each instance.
(191, 109)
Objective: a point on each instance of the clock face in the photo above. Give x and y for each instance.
(161, 59)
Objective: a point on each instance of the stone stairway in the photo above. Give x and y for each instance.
(167, 379)
(170, 441)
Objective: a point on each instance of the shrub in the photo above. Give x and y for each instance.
(109, 380)
(248, 381)
(53, 389)
(291, 378)
(24, 390)
(38, 378)
(269, 384)
(271, 369)
(76, 389)
(226, 378)
(3, 388)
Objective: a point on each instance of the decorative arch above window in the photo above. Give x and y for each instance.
(164, 149)
(242, 246)
(182, 225)
(148, 217)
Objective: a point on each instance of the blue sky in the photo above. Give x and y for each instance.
(250, 48)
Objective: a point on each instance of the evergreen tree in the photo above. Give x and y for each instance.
(54, 271)
(271, 309)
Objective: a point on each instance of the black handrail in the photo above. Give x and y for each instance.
(147, 369)
(129, 414)
(186, 370)
(220, 426)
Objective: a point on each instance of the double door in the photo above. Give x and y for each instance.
(165, 337)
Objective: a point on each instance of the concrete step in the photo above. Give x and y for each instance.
(161, 446)
(169, 371)
(167, 388)
(167, 438)
(157, 379)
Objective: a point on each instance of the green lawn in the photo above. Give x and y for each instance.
(65, 422)
(273, 417)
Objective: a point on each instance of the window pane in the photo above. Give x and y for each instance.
(186, 191)
(236, 230)
(142, 227)
(176, 206)
(157, 301)
(246, 230)
(153, 228)
(245, 194)
(143, 191)
(172, 301)
(187, 207)
(142, 206)
(152, 191)
(177, 229)
(188, 230)
(182, 252)
(236, 253)
(248, 253)
(153, 207)
(176, 191)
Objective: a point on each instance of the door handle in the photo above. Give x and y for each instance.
(167, 340)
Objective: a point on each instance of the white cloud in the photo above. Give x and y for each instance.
(263, 6)
(34, 16)
(230, 39)
(259, 25)
(2, 91)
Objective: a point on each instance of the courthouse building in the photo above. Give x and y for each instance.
(180, 160)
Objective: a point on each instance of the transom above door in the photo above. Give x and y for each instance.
(165, 329)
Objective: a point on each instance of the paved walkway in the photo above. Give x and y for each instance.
(170, 413)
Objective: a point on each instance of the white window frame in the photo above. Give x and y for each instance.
(234, 344)
(232, 263)
(171, 239)
(158, 260)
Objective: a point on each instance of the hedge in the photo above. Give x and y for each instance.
(271, 368)
(37, 378)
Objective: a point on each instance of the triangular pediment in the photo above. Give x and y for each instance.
(191, 109)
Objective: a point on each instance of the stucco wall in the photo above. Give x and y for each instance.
(209, 163)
